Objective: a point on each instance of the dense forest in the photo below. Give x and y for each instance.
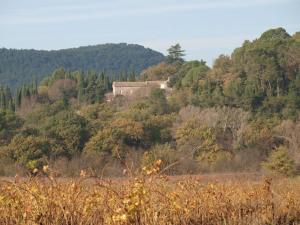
(240, 115)
(18, 67)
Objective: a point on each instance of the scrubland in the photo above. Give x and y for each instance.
(150, 198)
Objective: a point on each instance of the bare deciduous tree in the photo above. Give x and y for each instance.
(290, 132)
(62, 87)
(224, 118)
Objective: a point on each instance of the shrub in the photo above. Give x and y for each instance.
(164, 152)
(280, 162)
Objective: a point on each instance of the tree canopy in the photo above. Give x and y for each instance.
(242, 114)
(19, 67)
(175, 53)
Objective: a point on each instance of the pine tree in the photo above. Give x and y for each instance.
(175, 54)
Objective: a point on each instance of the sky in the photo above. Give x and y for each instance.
(204, 28)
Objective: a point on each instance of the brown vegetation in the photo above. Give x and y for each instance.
(149, 199)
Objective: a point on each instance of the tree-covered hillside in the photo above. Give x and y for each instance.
(22, 66)
(243, 114)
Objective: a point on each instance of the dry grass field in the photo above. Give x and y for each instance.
(150, 199)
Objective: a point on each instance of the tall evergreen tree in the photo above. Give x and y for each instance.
(132, 76)
(175, 54)
(80, 87)
(91, 87)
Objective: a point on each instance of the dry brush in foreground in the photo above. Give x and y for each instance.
(149, 199)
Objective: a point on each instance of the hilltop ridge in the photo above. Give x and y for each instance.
(19, 66)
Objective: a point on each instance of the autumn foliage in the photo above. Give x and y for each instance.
(148, 199)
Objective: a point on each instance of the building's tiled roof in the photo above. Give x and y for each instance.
(137, 84)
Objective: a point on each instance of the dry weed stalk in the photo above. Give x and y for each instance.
(147, 199)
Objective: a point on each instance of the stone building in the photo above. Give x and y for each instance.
(138, 89)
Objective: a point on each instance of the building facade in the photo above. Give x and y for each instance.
(138, 89)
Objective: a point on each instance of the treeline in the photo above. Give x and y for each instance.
(6, 99)
(87, 87)
(240, 115)
(19, 67)
(11, 101)
(262, 76)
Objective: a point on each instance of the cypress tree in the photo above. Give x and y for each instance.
(91, 87)
(18, 98)
(99, 91)
(132, 76)
(2, 99)
(80, 87)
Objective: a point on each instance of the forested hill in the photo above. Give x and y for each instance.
(21, 66)
(242, 114)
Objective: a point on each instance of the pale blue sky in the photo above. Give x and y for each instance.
(204, 28)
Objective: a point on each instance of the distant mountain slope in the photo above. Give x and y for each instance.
(21, 66)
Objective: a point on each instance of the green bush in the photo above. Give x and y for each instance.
(279, 162)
